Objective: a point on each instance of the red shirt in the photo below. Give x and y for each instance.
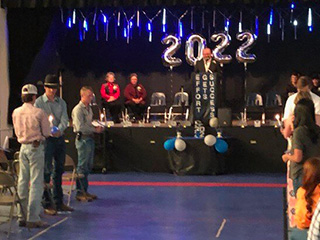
(110, 89)
(135, 91)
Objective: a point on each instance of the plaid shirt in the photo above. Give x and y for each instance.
(314, 230)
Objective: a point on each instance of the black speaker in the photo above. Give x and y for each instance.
(224, 117)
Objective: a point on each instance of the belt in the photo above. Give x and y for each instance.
(35, 143)
(87, 135)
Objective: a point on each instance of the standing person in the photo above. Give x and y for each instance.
(31, 127)
(82, 126)
(308, 194)
(305, 144)
(55, 152)
(207, 64)
(305, 141)
(110, 93)
(307, 198)
(304, 85)
(135, 95)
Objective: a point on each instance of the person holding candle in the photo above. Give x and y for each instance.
(305, 141)
(110, 93)
(55, 152)
(82, 126)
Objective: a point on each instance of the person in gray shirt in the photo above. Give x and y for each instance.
(305, 142)
(82, 126)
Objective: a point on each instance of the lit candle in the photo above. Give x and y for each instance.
(277, 116)
(101, 117)
(51, 120)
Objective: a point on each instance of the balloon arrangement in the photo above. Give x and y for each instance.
(241, 54)
(177, 143)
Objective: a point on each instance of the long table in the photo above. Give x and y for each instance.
(251, 150)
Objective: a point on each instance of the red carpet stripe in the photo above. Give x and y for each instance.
(184, 184)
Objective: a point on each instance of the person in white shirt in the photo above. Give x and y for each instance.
(303, 84)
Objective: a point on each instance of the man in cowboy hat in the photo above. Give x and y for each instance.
(56, 109)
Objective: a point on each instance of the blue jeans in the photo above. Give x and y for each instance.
(31, 163)
(55, 155)
(85, 148)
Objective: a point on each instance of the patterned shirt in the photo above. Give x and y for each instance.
(30, 123)
(82, 119)
(57, 108)
(314, 230)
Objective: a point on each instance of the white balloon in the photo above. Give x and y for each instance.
(180, 145)
(213, 122)
(210, 140)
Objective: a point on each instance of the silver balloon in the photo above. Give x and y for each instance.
(241, 54)
(167, 56)
(219, 49)
(189, 51)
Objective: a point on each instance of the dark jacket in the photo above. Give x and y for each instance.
(137, 91)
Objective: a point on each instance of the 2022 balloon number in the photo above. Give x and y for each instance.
(241, 54)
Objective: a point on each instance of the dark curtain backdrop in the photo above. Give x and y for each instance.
(41, 44)
(141, 3)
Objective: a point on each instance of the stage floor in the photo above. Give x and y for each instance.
(163, 206)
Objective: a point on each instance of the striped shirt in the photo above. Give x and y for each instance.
(314, 229)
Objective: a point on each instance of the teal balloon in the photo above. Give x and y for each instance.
(169, 144)
(221, 146)
(54, 129)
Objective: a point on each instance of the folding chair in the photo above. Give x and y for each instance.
(180, 106)
(254, 106)
(7, 182)
(4, 162)
(273, 105)
(70, 176)
(157, 106)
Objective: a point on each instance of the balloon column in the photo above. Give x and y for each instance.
(189, 50)
(241, 54)
(167, 56)
(217, 52)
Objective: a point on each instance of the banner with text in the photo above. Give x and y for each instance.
(205, 91)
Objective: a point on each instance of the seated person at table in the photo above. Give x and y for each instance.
(292, 86)
(316, 84)
(135, 95)
(110, 93)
